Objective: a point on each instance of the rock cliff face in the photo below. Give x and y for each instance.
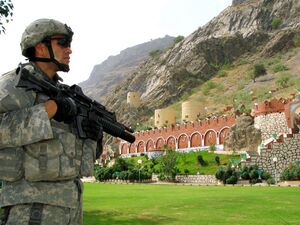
(114, 69)
(244, 28)
(235, 2)
(243, 135)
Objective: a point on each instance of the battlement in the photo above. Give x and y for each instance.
(267, 107)
(205, 124)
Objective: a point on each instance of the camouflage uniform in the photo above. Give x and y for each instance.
(41, 160)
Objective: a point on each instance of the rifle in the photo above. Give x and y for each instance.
(84, 104)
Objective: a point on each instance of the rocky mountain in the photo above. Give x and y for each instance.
(114, 69)
(247, 28)
(243, 135)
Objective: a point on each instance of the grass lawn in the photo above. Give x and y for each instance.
(123, 204)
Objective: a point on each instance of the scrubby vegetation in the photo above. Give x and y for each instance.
(166, 166)
(292, 172)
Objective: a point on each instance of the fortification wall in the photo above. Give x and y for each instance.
(267, 107)
(285, 150)
(180, 136)
(273, 123)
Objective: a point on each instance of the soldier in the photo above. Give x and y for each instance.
(41, 158)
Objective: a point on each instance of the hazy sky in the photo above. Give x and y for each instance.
(105, 27)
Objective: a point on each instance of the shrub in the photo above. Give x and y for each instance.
(283, 80)
(266, 176)
(245, 175)
(220, 173)
(178, 39)
(201, 160)
(292, 172)
(155, 53)
(279, 67)
(123, 175)
(217, 159)
(227, 176)
(252, 174)
(122, 165)
(186, 171)
(209, 85)
(232, 179)
(168, 164)
(222, 73)
(271, 181)
(259, 69)
(275, 22)
(104, 173)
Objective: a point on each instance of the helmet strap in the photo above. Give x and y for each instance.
(61, 66)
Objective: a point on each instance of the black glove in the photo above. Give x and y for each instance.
(66, 109)
(92, 127)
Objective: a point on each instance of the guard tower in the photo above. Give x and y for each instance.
(134, 99)
(164, 117)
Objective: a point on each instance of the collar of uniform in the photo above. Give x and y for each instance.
(56, 78)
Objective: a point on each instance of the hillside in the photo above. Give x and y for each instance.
(116, 68)
(214, 63)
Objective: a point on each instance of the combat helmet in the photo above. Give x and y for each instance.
(40, 31)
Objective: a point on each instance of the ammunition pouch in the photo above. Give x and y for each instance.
(11, 161)
(54, 159)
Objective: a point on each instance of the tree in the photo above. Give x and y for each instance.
(6, 13)
(258, 70)
(168, 164)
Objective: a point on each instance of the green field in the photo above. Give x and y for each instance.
(123, 204)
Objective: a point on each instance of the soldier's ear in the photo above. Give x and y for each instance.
(41, 50)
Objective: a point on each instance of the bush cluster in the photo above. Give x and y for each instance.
(292, 172)
(227, 175)
(122, 170)
(231, 175)
(251, 173)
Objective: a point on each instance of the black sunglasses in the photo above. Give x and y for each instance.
(62, 41)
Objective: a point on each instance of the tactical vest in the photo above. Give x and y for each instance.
(62, 157)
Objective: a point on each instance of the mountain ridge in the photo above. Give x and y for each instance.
(239, 31)
(116, 68)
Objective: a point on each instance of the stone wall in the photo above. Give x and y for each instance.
(199, 179)
(286, 150)
(273, 123)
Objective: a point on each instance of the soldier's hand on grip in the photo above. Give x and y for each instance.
(66, 109)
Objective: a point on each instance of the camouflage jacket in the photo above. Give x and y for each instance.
(39, 158)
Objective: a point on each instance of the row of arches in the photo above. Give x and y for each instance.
(196, 139)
